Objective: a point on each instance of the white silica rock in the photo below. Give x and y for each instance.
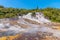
(1, 25)
(31, 28)
(7, 24)
(27, 16)
(19, 16)
(41, 18)
(38, 18)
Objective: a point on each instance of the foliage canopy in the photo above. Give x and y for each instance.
(51, 13)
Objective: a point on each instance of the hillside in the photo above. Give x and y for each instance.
(29, 24)
(28, 27)
(51, 13)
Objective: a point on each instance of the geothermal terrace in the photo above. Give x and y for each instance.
(29, 26)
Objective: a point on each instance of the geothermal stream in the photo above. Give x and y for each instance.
(7, 29)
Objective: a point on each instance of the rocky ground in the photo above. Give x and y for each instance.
(30, 30)
(25, 28)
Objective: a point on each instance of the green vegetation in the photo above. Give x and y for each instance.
(51, 13)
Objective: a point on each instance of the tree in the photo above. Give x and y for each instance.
(1, 6)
